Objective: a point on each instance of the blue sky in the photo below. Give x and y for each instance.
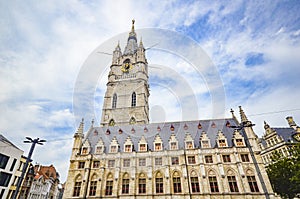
(254, 46)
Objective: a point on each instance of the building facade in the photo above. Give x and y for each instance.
(279, 139)
(10, 156)
(128, 157)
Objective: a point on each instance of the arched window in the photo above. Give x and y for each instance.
(252, 181)
(133, 99)
(109, 184)
(114, 101)
(142, 183)
(213, 183)
(93, 185)
(125, 184)
(176, 182)
(77, 186)
(159, 183)
(195, 182)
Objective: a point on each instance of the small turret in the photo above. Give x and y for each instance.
(141, 52)
(267, 128)
(291, 122)
(78, 137)
(116, 54)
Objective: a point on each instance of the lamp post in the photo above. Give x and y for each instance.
(33, 143)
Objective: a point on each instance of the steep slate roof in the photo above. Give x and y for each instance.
(284, 133)
(3, 139)
(211, 127)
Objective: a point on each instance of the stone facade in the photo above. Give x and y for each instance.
(126, 157)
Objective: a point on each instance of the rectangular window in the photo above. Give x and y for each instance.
(142, 185)
(158, 146)
(142, 162)
(125, 186)
(252, 184)
(96, 164)
(113, 149)
(213, 183)
(177, 185)
(175, 160)
(143, 147)
(3, 161)
(76, 191)
(195, 185)
(191, 160)
(205, 144)
(4, 179)
(226, 158)
(189, 145)
(158, 161)
(2, 193)
(245, 158)
(111, 163)
(13, 165)
(109, 187)
(81, 165)
(93, 188)
(232, 184)
(208, 159)
(222, 143)
(126, 163)
(173, 145)
(239, 142)
(128, 148)
(99, 149)
(84, 150)
(159, 185)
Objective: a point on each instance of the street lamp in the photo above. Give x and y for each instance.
(33, 143)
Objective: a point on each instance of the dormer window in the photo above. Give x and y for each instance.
(99, 149)
(113, 149)
(205, 144)
(158, 146)
(128, 148)
(239, 142)
(222, 143)
(143, 147)
(189, 145)
(173, 145)
(84, 150)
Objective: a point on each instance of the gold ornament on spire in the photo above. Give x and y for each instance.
(132, 28)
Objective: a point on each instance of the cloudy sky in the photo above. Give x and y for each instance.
(252, 48)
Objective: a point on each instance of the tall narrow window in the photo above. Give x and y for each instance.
(93, 188)
(76, 190)
(177, 184)
(232, 184)
(133, 99)
(114, 102)
(252, 184)
(109, 187)
(125, 186)
(142, 185)
(195, 184)
(159, 185)
(213, 183)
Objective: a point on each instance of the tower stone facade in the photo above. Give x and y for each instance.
(126, 97)
(128, 157)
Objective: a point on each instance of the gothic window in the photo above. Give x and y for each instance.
(126, 163)
(93, 188)
(158, 161)
(76, 191)
(175, 160)
(132, 120)
(208, 159)
(232, 183)
(96, 164)
(191, 160)
(226, 158)
(142, 162)
(159, 183)
(114, 102)
(213, 183)
(245, 158)
(109, 187)
(176, 183)
(195, 184)
(111, 122)
(125, 184)
(133, 99)
(142, 184)
(252, 183)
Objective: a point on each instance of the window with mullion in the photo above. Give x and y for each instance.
(93, 188)
(252, 184)
(142, 185)
(232, 184)
(213, 183)
(195, 184)
(109, 187)
(176, 184)
(76, 191)
(125, 186)
(159, 185)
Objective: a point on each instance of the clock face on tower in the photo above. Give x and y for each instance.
(126, 66)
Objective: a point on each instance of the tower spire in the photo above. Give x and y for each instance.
(132, 27)
(132, 45)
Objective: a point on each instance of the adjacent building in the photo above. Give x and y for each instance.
(10, 157)
(128, 157)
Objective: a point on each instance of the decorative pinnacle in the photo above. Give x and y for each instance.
(243, 115)
(266, 125)
(232, 112)
(132, 28)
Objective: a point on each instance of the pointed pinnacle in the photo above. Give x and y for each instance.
(243, 115)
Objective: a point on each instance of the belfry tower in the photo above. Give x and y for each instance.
(127, 92)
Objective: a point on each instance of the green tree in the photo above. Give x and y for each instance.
(284, 173)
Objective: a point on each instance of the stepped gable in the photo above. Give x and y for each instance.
(211, 127)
